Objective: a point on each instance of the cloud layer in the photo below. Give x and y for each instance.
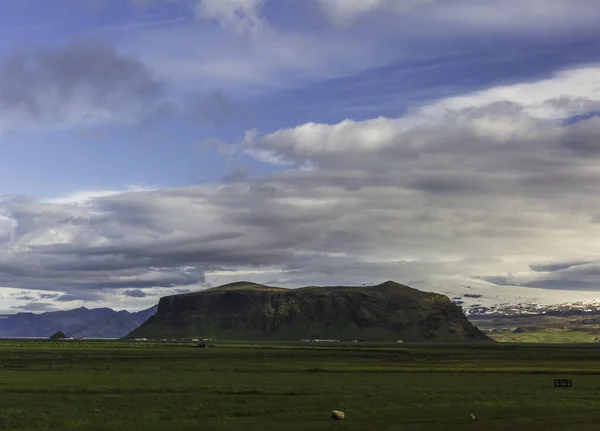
(469, 15)
(499, 184)
(492, 185)
(254, 47)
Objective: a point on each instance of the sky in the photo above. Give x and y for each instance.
(155, 147)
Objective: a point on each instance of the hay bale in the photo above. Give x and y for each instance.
(338, 415)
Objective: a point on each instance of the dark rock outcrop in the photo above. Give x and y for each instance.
(58, 336)
(247, 311)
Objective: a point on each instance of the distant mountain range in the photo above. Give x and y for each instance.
(213, 312)
(80, 322)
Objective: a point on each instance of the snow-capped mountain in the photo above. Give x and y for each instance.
(481, 297)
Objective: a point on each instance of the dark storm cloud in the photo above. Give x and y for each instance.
(564, 285)
(572, 275)
(134, 293)
(559, 266)
(25, 298)
(36, 306)
(78, 296)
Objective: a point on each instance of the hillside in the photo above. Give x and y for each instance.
(248, 311)
(80, 322)
(58, 336)
(572, 326)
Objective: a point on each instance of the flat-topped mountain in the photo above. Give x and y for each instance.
(248, 311)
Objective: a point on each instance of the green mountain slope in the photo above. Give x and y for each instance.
(248, 311)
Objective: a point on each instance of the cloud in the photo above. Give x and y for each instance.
(78, 296)
(556, 266)
(493, 16)
(83, 83)
(345, 12)
(209, 108)
(362, 65)
(552, 16)
(89, 83)
(481, 185)
(566, 275)
(249, 56)
(35, 306)
(134, 293)
(25, 298)
(239, 15)
(460, 16)
(503, 116)
(238, 175)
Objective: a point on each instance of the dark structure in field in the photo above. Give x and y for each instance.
(247, 311)
(563, 383)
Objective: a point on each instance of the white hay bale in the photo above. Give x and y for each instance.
(338, 415)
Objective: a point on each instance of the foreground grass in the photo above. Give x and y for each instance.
(126, 386)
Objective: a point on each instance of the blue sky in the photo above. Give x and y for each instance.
(405, 75)
(315, 99)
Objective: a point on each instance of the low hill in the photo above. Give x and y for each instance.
(248, 311)
(58, 336)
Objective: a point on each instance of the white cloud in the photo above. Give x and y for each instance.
(239, 15)
(344, 12)
(548, 16)
(472, 15)
(566, 93)
(248, 66)
(84, 197)
(246, 54)
(526, 112)
(482, 185)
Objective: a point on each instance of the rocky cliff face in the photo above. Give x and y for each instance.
(246, 311)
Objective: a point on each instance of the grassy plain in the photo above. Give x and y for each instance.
(151, 386)
(573, 327)
(546, 336)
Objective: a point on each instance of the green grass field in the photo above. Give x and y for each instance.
(145, 386)
(546, 336)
